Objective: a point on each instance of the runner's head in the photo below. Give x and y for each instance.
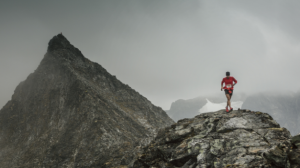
(227, 73)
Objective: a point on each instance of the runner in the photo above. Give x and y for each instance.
(228, 88)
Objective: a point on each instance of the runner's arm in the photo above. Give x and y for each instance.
(222, 84)
(235, 81)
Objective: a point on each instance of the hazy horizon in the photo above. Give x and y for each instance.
(166, 50)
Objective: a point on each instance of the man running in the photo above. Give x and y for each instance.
(228, 88)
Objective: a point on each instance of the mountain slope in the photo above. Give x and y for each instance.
(72, 113)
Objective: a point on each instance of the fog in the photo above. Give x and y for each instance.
(166, 50)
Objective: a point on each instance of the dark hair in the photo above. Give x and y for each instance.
(227, 73)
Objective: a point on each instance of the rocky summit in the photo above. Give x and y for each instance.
(72, 113)
(241, 138)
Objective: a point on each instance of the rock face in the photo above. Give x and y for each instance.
(217, 140)
(283, 107)
(72, 113)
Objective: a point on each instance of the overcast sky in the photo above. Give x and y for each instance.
(164, 49)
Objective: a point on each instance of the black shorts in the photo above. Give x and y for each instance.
(227, 92)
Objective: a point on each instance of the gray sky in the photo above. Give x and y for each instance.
(164, 49)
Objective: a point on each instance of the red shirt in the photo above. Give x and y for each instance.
(228, 81)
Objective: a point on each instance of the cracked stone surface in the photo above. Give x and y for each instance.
(241, 138)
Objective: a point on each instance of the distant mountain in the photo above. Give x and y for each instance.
(185, 108)
(190, 108)
(72, 113)
(210, 106)
(284, 107)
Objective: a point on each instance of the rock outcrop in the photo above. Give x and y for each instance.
(72, 113)
(241, 138)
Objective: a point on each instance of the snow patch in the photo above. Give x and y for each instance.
(212, 107)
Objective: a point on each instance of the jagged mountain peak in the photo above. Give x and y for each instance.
(71, 112)
(59, 42)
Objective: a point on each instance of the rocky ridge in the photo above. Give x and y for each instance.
(241, 138)
(72, 113)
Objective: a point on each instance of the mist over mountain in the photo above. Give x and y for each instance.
(283, 106)
(72, 113)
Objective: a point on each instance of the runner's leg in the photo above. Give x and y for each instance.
(228, 100)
